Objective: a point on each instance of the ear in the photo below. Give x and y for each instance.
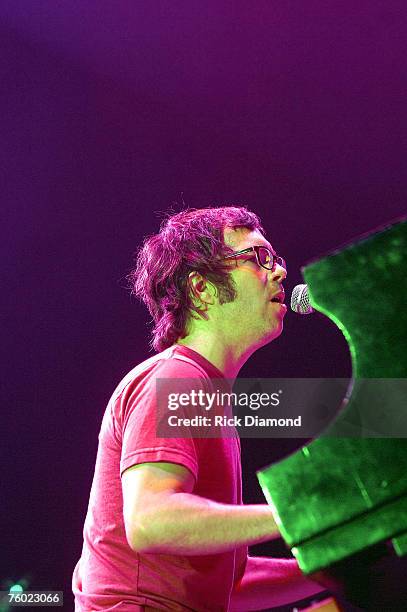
(202, 291)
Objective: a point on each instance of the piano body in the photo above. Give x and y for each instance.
(341, 500)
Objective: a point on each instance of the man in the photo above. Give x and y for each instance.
(166, 528)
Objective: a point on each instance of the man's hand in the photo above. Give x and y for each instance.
(268, 583)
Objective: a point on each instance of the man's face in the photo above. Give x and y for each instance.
(252, 315)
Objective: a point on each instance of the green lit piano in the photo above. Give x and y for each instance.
(341, 501)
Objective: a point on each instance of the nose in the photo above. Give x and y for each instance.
(278, 274)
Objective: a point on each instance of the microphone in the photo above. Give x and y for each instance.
(300, 300)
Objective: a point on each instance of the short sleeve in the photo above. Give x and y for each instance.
(140, 443)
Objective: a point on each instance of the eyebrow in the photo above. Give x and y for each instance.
(266, 246)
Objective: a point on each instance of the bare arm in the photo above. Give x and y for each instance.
(161, 515)
(268, 583)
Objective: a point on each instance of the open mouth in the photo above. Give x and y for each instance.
(278, 298)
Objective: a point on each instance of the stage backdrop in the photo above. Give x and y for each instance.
(113, 113)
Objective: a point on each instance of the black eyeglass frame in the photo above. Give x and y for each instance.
(256, 249)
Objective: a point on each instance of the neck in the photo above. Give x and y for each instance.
(228, 358)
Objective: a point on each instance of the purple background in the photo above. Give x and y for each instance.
(109, 112)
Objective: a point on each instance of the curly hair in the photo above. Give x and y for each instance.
(191, 240)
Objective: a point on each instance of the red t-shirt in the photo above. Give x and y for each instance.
(109, 574)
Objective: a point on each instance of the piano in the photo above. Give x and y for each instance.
(341, 500)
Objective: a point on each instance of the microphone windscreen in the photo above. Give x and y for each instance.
(300, 300)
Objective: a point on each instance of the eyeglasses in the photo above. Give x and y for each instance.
(265, 258)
